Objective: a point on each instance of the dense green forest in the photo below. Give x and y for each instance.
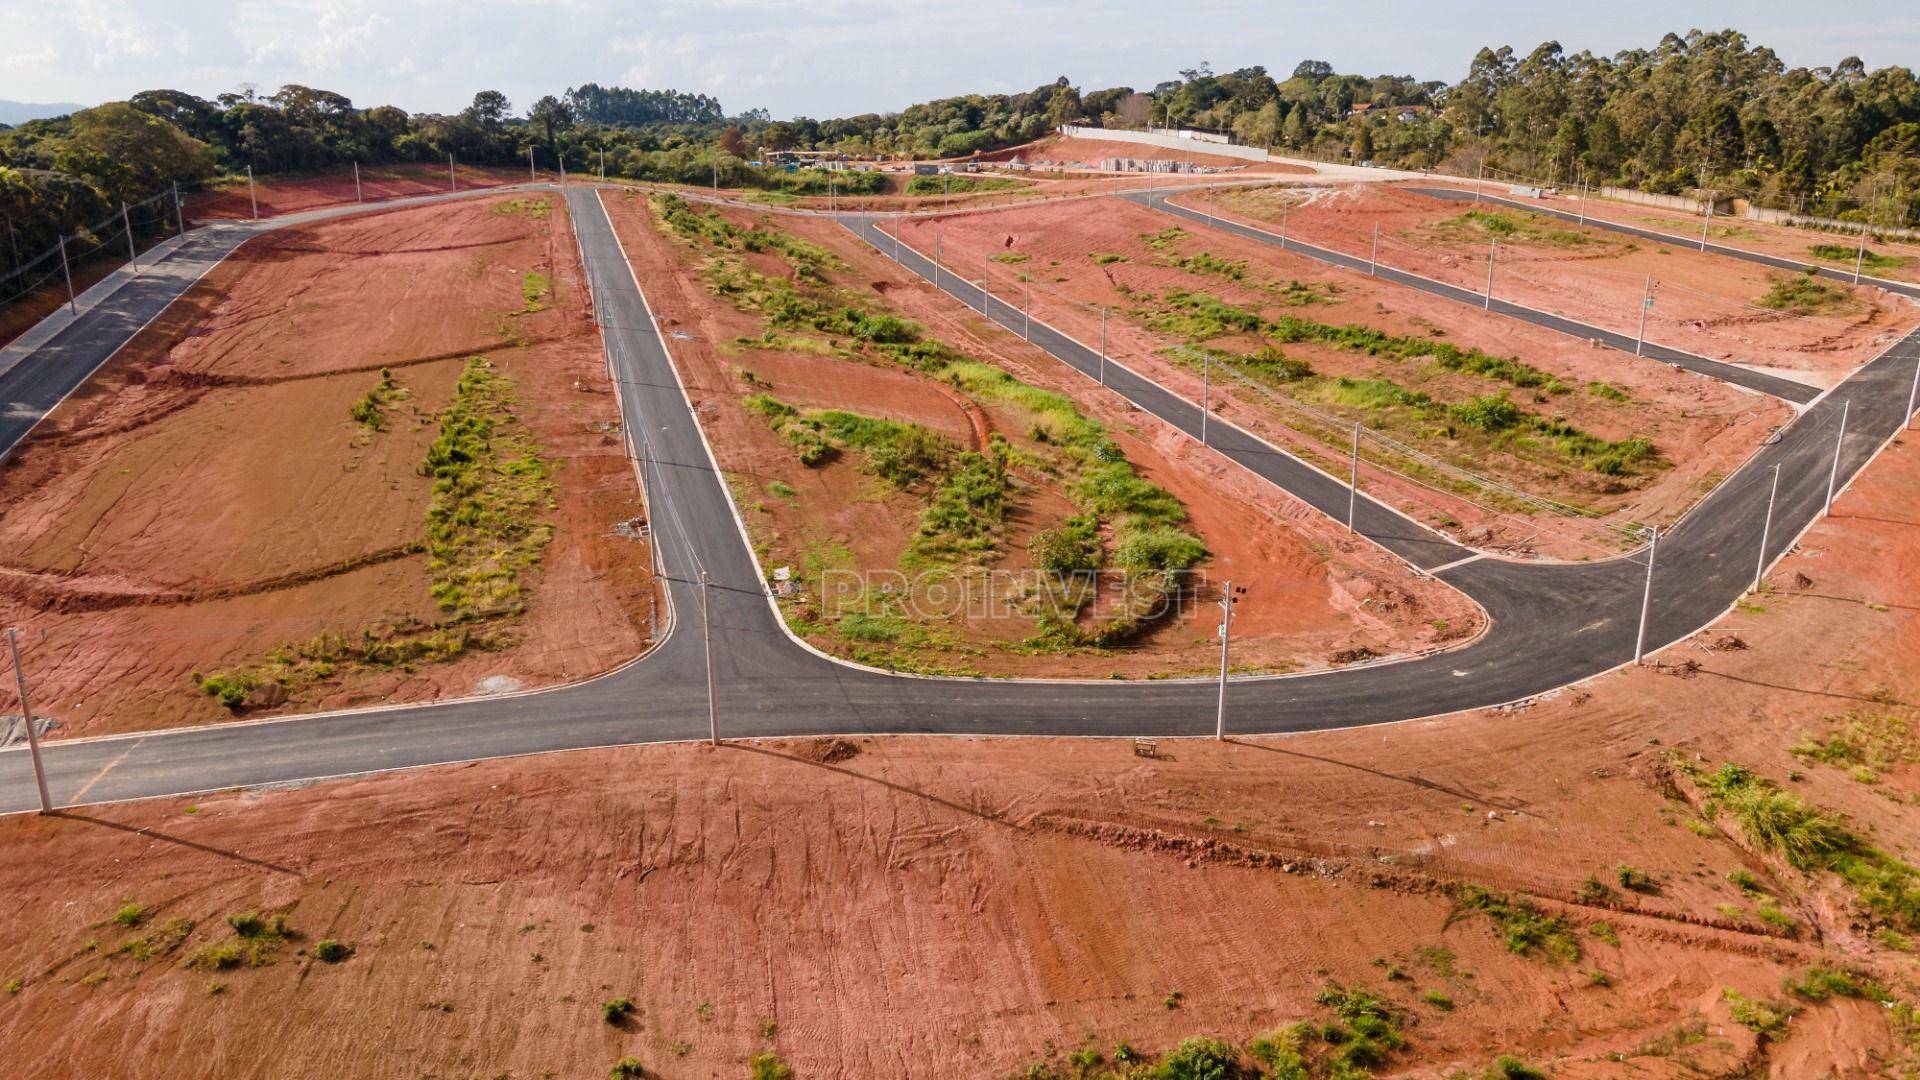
(1702, 110)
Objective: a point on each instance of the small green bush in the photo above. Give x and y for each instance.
(329, 951)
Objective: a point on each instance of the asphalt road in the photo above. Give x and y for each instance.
(1904, 288)
(1759, 381)
(1551, 624)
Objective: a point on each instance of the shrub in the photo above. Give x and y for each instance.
(1768, 1020)
(329, 951)
(1526, 929)
(1199, 1058)
(1636, 880)
(131, 914)
(230, 688)
(1820, 983)
(627, 1069)
(769, 1067)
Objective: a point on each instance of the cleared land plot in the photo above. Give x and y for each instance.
(1086, 153)
(1302, 351)
(883, 443)
(374, 459)
(291, 194)
(1811, 330)
(1886, 257)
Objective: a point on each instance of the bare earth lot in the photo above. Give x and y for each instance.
(1704, 303)
(292, 194)
(212, 495)
(1160, 282)
(943, 907)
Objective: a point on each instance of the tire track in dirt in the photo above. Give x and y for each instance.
(46, 592)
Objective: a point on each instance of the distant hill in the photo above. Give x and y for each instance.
(19, 112)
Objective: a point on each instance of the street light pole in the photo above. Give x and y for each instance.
(1493, 256)
(1833, 477)
(1480, 177)
(531, 177)
(453, 178)
(358, 194)
(67, 272)
(1646, 598)
(1103, 354)
(1353, 478)
(936, 261)
(1766, 528)
(706, 626)
(179, 209)
(1646, 305)
(26, 717)
(133, 254)
(1373, 258)
(1206, 394)
(986, 288)
(1026, 311)
(1226, 642)
(251, 196)
(1911, 395)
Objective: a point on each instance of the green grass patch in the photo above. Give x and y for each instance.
(1512, 225)
(1804, 295)
(1526, 930)
(534, 287)
(1107, 258)
(370, 411)
(1849, 254)
(1811, 838)
(1863, 743)
(959, 184)
(255, 942)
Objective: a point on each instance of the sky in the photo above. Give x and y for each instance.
(826, 58)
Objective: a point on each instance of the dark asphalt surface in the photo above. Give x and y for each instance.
(1779, 262)
(1796, 392)
(1552, 624)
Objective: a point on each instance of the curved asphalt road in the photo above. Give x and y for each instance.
(1551, 624)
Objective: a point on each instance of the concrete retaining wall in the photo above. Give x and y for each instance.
(1200, 142)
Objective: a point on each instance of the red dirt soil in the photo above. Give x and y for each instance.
(1086, 153)
(291, 194)
(889, 907)
(1315, 591)
(206, 497)
(1704, 427)
(1787, 241)
(1704, 303)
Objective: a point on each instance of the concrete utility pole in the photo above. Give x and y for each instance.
(1026, 311)
(453, 178)
(358, 194)
(1706, 223)
(986, 288)
(1493, 256)
(1206, 394)
(1766, 528)
(603, 164)
(896, 239)
(829, 192)
(1353, 479)
(133, 254)
(1646, 305)
(1479, 177)
(706, 627)
(1646, 598)
(1860, 257)
(1373, 258)
(65, 271)
(1285, 208)
(1911, 395)
(1226, 643)
(563, 170)
(716, 178)
(531, 176)
(26, 717)
(251, 196)
(179, 210)
(1583, 198)
(1833, 477)
(936, 261)
(1103, 354)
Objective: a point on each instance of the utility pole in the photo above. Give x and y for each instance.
(563, 170)
(829, 192)
(1480, 177)
(603, 164)
(1646, 305)
(986, 288)
(1285, 208)
(1583, 198)
(1493, 256)
(179, 211)
(936, 261)
(1353, 479)
(1766, 528)
(706, 627)
(1911, 395)
(453, 178)
(358, 194)
(716, 179)
(1226, 643)
(1103, 354)
(1833, 477)
(1206, 394)
(531, 176)
(1026, 311)
(1860, 257)
(126, 222)
(72, 305)
(251, 196)
(1646, 598)
(1373, 259)
(1706, 222)
(26, 717)
(896, 239)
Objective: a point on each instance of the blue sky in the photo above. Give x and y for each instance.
(834, 57)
